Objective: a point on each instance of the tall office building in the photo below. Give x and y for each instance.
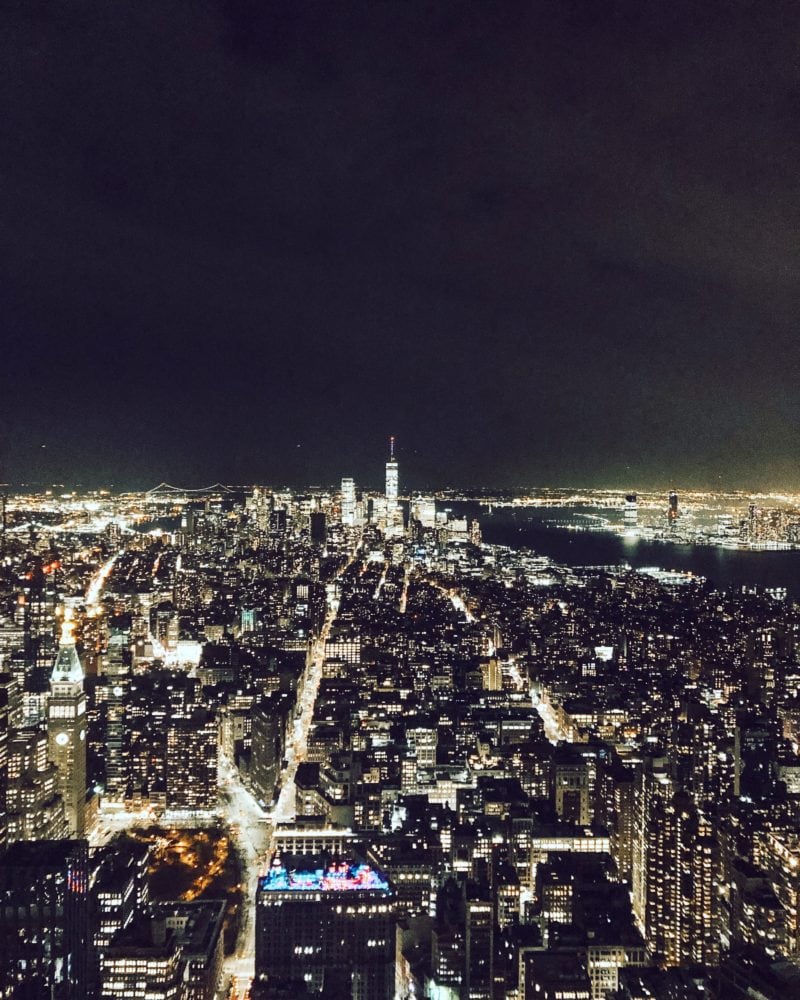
(172, 951)
(260, 507)
(673, 865)
(267, 744)
(348, 502)
(44, 920)
(120, 889)
(34, 810)
(328, 924)
(571, 786)
(672, 512)
(423, 509)
(631, 509)
(318, 527)
(142, 962)
(392, 477)
(479, 942)
(66, 730)
(191, 762)
(391, 520)
(116, 665)
(3, 766)
(756, 744)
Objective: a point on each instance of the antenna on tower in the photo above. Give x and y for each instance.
(391, 449)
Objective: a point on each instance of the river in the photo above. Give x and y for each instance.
(724, 568)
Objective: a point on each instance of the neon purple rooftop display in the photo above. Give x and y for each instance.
(339, 877)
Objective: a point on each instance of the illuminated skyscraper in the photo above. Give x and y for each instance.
(631, 509)
(392, 519)
(348, 502)
(672, 513)
(191, 761)
(66, 730)
(116, 666)
(423, 509)
(392, 477)
(34, 810)
(328, 924)
(673, 865)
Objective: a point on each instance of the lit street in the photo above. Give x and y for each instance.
(252, 828)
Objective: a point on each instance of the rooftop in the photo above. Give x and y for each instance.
(335, 876)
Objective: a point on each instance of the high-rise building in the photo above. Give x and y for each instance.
(673, 873)
(44, 920)
(571, 786)
(188, 525)
(171, 951)
(116, 665)
(423, 509)
(479, 942)
(651, 856)
(191, 762)
(198, 927)
(348, 503)
(330, 924)
(3, 765)
(672, 512)
(34, 807)
(260, 507)
(141, 963)
(278, 519)
(120, 889)
(392, 477)
(390, 518)
(756, 745)
(614, 809)
(269, 721)
(318, 527)
(66, 730)
(631, 510)
(778, 854)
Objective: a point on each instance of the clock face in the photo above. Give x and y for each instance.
(117, 691)
(62, 739)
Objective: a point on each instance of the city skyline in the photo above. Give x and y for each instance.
(399, 500)
(399, 748)
(385, 479)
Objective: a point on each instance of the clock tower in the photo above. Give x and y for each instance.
(66, 729)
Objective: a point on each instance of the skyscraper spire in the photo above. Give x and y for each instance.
(391, 477)
(67, 666)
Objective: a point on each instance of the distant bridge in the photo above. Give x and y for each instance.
(216, 488)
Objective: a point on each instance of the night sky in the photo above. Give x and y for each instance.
(541, 242)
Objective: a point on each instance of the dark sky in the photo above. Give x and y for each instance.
(541, 242)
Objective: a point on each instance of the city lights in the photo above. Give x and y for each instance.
(297, 722)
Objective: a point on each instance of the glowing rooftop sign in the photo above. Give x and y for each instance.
(344, 876)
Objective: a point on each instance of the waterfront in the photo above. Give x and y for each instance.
(724, 568)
